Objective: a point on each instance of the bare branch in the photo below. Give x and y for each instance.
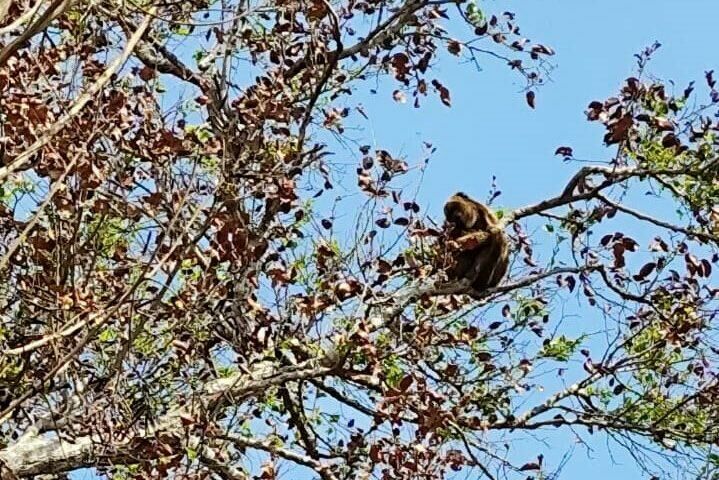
(5, 4)
(660, 223)
(31, 224)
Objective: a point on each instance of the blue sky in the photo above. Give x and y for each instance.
(490, 130)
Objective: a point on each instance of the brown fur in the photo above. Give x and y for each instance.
(484, 251)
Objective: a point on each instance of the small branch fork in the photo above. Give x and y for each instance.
(612, 176)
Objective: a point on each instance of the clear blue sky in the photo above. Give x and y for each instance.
(490, 130)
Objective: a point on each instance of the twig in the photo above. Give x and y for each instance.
(331, 65)
(376, 36)
(271, 447)
(548, 404)
(656, 221)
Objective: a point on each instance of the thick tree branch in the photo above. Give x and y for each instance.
(612, 176)
(33, 454)
(413, 293)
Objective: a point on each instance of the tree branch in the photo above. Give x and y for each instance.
(613, 175)
(5, 4)
(660, 223)
(463, 287)
(33, 454)
(385, 29)
(268, 446)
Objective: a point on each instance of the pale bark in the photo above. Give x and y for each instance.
(34, 454)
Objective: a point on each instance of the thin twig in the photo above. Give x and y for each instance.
(271, 447)
(657, 222)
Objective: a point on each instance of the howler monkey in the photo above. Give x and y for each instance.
(483, 255)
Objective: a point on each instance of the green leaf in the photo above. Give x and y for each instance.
(560, 348)
(191, 453)
(108, 335)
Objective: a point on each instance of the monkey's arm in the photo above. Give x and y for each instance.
(472, 240)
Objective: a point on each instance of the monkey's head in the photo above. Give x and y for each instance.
(461, 211)
(467, 214)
